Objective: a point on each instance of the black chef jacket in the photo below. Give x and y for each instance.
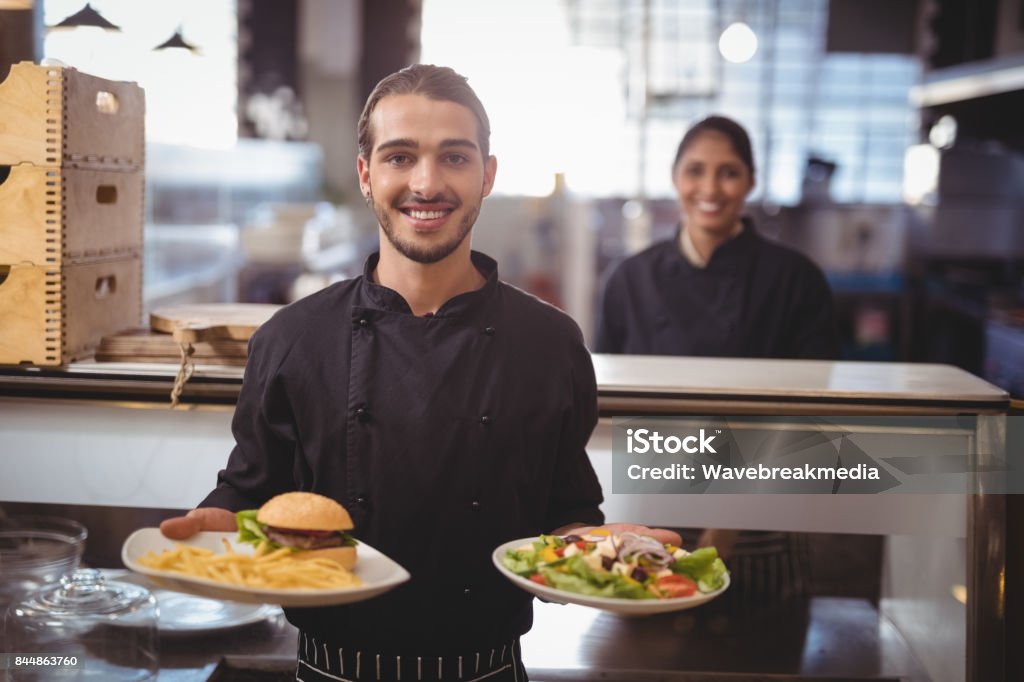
(754, 299)
(443, 436)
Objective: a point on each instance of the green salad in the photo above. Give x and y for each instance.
(626, 566)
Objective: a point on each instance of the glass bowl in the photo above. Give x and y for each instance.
(36, 550)
(103, 630)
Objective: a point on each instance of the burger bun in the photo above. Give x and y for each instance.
(346, 556)
(304, 511)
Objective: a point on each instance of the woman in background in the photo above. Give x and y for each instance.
(720, 289)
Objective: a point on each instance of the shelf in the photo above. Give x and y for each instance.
(969, 81)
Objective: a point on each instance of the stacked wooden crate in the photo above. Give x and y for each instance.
(71, 212)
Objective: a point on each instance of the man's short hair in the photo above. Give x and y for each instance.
(435, 82)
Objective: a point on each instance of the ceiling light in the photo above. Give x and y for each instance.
(942, 135)
(738, 43)
(177, 41)
(86, 16)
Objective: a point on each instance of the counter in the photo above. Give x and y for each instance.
(103, 436)
(626, 385)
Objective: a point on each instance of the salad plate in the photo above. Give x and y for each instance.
(619, 605)
(377, 572)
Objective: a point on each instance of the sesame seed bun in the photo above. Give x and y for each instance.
(304, 511)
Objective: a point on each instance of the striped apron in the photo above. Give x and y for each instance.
(322, 662)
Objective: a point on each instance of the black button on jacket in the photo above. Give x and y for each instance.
(443, 436)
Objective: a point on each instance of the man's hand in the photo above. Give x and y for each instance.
(204, 518)
(662, 535)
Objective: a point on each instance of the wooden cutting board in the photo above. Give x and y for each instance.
(206, 322)
(143, 345)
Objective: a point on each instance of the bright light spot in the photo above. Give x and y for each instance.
(943, 134)
(920, 173)
(555, 108)
(738, 43)
(631, 210)
(190, 98)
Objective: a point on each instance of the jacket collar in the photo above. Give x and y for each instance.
(383, 298)
(737, 243)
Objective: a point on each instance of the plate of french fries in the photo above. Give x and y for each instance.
(215, 565)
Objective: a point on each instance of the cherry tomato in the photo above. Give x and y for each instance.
(560, 551)
(581, 544)
(673, 586)
(539, 579)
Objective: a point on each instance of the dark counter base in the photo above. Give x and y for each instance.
(261, 669)
(841, 639)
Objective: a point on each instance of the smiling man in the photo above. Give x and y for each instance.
(445, 409)
(424, 183)
(424, 167)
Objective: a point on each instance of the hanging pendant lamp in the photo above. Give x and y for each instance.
(177, 41)
(87, 16)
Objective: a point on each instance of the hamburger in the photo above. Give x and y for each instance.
(311, 525)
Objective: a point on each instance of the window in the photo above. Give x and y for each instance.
(190, 97)
(563, 83)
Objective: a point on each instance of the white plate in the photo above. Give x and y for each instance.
(378, 573)
(183, 614)
(627, 607)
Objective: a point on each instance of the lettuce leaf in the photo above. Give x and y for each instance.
(582, 579)
(574, 583)
(520, 563)
(704, 566)
(249, 529)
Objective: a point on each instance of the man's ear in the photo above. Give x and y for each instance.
(490, 169)
(363, 169)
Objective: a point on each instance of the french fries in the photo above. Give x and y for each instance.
(269, 570)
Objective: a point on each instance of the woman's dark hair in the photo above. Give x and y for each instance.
(736, 134)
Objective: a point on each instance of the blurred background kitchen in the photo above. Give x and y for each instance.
(887, 137)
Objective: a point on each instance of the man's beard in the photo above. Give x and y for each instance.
(425, 255)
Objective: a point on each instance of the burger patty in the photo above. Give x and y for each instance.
(301, 540)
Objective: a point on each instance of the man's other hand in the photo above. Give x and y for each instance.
(204, 518)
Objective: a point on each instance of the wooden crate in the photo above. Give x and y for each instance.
(50, 315)
(50, 216)
(57, 116)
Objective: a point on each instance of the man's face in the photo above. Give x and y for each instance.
(425, 178)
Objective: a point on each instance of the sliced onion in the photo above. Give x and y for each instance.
(641, 546)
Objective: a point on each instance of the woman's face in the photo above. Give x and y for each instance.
(712, 183)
